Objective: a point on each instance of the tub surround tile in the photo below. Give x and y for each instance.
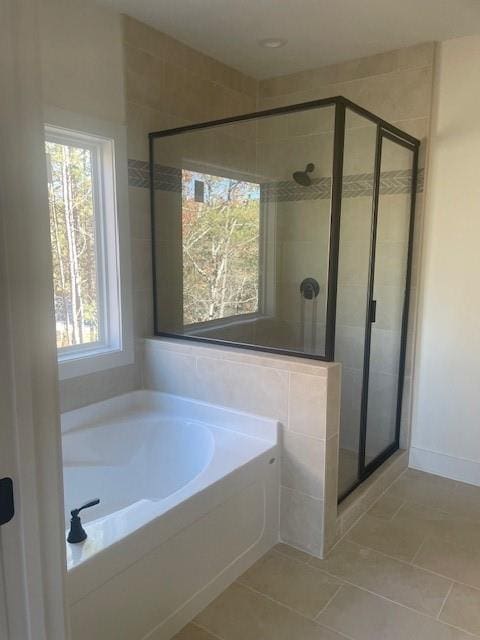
(307, 397)
(267, 385)
(301, 521)
(101, 385)
(303, 460)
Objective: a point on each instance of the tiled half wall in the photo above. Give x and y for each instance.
(303, 395)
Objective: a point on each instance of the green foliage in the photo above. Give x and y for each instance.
(72, 227)
(220, 248)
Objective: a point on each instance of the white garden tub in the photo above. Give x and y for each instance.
(188, 500)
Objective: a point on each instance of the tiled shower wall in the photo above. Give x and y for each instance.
(167, 84)
(396, 86)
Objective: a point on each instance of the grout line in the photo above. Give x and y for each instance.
(207, 630)
(329, 601)
(336, 631)
(286, 555)
(322, 85)
(395, 513)
(355, 522)
(287, 426)
(268, 597)
(364, 589)
(417, 552)
(445, 600)
(291, 609)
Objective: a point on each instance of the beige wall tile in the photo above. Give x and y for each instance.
(141, 264)
(301, 521)
(250, 388)
(101, 385)
(171, 372)
(303, 463)
(307, 405)
(331, 491)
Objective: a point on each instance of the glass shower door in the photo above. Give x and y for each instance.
(388, 301)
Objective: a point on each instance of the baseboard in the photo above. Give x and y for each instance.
(444, 465)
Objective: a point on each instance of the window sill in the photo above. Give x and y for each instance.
(222, 323)
(81, 364)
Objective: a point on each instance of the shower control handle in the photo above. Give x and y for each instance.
(87, 505)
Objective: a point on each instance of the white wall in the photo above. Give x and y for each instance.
(446, 418)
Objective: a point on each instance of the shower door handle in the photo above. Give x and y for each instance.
(373, 311)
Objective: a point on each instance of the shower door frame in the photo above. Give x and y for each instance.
(340, 104)
(365, 470)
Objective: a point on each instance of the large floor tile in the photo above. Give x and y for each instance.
(461, 530)
(423, 488)
(192, 632)
(364, 616)
(298, 585)
(462, 608)
(240, 614)
(291, 552)
(450, 560)
(387, 577)
(395, 539)
(464, 501)
(433, 491)
(386, 506)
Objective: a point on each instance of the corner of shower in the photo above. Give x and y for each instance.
(290, 231)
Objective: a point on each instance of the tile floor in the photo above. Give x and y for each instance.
(408, 570)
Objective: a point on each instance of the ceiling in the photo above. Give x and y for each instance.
(319, 32)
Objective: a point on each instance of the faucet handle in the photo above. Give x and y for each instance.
(92, 503)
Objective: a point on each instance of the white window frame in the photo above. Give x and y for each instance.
(109, 168)
(267, 254)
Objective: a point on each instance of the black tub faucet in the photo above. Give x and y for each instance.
(77, 532)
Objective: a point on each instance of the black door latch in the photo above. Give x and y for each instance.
(7, 507)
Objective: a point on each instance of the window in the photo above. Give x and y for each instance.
(221, 247)
(84, 240)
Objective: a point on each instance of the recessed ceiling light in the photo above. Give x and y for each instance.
(272, 43)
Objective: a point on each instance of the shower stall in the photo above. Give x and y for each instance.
(290, 231)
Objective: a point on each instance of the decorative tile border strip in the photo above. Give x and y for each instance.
(354, 186)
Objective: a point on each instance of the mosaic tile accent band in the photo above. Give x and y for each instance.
(354, 186)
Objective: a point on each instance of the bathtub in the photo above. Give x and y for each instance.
(189, 499)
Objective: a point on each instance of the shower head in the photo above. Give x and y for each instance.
(302, 177)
